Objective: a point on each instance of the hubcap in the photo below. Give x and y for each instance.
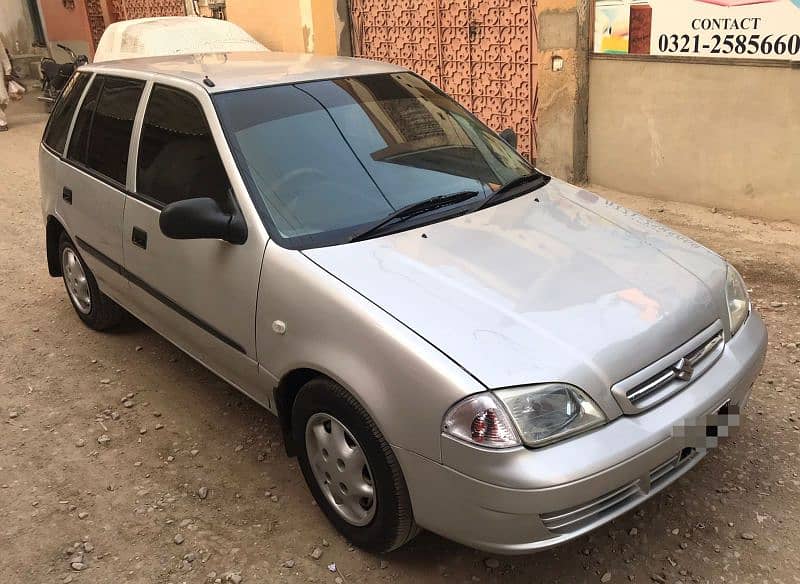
(75, 277)
(341, 469)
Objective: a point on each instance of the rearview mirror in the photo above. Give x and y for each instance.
(201, 218)
(509, 136)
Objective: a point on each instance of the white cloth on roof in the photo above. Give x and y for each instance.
(172, 35)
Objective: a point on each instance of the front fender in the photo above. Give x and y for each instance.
(405, 383)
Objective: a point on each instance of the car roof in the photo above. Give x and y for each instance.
(230, 71)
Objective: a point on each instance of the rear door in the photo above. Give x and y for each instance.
(94, 176)
(199, 293)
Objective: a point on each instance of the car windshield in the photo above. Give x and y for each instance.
(325, 159)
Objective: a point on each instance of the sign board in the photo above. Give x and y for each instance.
(747, 29)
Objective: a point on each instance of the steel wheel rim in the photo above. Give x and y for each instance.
(341, 469)
(77, 284)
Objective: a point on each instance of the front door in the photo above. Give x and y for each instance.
(482, 53)
(199, 293)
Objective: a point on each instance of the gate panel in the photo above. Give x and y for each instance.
(482, 52)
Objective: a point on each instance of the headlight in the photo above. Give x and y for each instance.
(546, 413)
(737, 299)
(535, 415)
(481, 419)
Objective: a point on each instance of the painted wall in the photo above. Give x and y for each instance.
(561, 118)
(16, 26)
(296, 26)
(718, 135)
(66, 26)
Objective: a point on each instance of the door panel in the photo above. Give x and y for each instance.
(93, 219)
(199, 293)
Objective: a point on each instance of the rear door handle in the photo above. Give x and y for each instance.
(139, 237)
(66, 194)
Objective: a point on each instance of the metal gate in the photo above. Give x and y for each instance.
(482, 52)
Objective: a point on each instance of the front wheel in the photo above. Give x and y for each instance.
(350, 468)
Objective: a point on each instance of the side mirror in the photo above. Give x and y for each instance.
(201, 218)
(509, 136)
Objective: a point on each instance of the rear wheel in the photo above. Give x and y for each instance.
(350, 468)
(93, 307)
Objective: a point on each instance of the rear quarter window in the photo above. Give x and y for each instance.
(55, 134)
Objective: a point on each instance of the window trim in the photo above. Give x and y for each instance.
(136, 138)
(85, 168)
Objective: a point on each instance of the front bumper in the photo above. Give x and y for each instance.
(523, 500)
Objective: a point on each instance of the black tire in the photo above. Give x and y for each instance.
(393, 523)
(104, 313)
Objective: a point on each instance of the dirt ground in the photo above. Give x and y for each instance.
(130, 510)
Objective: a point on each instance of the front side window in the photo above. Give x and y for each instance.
(102, 133)
(328, 157)
(55, 135)
(178, 158)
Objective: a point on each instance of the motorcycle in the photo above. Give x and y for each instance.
(55, 75)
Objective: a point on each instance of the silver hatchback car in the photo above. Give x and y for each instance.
(450, 339)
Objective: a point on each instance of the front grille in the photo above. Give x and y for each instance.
(594, 511)
(672, 373)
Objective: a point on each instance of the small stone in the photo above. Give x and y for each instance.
(332, 567)
(316, 553)
(103, 439)
(676, 531)
(194, 452)
(105, 381)
(88, 547)
(83, 515)
(338, 580)
(606, 577)
(492, 563)
(12, 414)
(159, 426)
(170, 458)
(185, 523)
(67, 579)
(325, 542)
(115, 415)
(157, 414)
(78, 566)
(127, 403)
(190, 557)
(288, 564)
(142, 430)
(179, 539)
(235, 578)
(748, 536)
(684, 545)
(238, 448)
(202, 492)
(633, 531)
(274, 498)
(139, 347)
(80, 443)
(658, 578)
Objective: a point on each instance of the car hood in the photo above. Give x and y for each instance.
(557, 285)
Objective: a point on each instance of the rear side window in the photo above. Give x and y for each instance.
(55, 135)
(178, 158)
(102, 132)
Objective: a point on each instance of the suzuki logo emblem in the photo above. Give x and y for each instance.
(683, 370)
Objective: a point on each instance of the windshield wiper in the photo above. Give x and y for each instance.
(535, 180)
(413, 210)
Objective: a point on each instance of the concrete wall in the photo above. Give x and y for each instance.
(296, 26)
(16, 26)
(561, 117)
(68, 27)
(714, 134)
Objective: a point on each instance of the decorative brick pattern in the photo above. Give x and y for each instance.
(482, 52)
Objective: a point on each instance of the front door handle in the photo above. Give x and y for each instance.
(66, 194)
(139, 237)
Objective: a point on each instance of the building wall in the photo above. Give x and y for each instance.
(295, 26)
(68, 27)
(562, 103)
(714, 134)
(15, 25)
